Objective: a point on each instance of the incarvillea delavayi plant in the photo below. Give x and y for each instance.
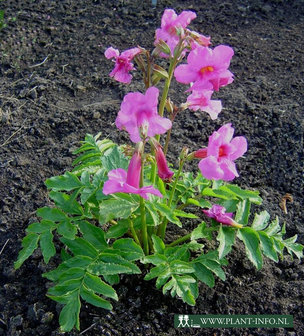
(112, 210)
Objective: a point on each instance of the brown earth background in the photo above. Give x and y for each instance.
(55, 88)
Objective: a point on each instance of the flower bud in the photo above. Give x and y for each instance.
(163, 170)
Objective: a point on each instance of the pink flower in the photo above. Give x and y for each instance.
(219, 213)
(140, 111)
(128, 181)
(122, 63)
(199, 39)
(163, 170)
(221, 152)
(169, 25)
(201, 100)
(206, 65)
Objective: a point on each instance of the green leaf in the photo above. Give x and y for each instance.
(293, 247)
(158, 245)
(273, 228)
(204, 274)
(89, 296)
(252, 196)
(79, 246)
(93, 234)
(182, 289)
(226, 237)
(201, 202)
(74, 262)
(213, 266)
(260, 221)
(66, 202)
(252, 245)
(168, 213)
(67, 182)
(47, 246)
(97, 285)
(152, 213)
(177, 252)
(243, 212)
(180, 267)
(113, 159)
(106, 268)
(117, 230)
(180, 213)
(218, 193)
(69, 315)
(115, 208)
(39, 227)
(67, 229)
(202, 231)
(267, 244)
(73, 273)
(158, 271)
(65, 287)
(155, 259)
(51, 214)
(111, 279)
(114, 258)
(29, 245)
(128, 249)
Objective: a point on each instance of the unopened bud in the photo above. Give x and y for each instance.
(162, 46)
(169, 106)
(184, 153)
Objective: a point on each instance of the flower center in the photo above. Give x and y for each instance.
(206, 69)
(222, 151)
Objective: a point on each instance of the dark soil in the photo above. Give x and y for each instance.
(55, 88)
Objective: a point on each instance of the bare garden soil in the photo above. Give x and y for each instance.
(55, 88)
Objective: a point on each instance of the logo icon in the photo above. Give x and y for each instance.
(183, 321)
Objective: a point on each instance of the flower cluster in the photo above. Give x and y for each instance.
(205, 70)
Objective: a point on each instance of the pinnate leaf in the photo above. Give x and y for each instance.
(29, 245)
(67, 182)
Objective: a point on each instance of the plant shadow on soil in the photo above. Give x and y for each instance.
(55, 88)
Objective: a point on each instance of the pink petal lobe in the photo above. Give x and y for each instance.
(210, 168)
(111, 52)
(240, 144)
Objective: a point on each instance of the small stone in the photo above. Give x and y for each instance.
(47, 317)
(96, 115)
(81, 88)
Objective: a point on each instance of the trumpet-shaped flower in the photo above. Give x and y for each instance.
(201, 100)
(222, 150)
(128, 181)
(206, 65)
(162, 166)
(139, 111)
(170, 23)
(219, 213)
(122, 63)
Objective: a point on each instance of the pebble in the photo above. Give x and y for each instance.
(96, 115)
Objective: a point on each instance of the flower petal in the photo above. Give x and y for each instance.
(240, 144)
(184, 74)
(111, 52)
(210, 168)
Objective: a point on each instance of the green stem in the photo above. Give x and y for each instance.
(175, 182)
(180, 240)
(163, 225)
(167, 141)
(166, 88)
(134, 234)
(144, 231)
(148, 84)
